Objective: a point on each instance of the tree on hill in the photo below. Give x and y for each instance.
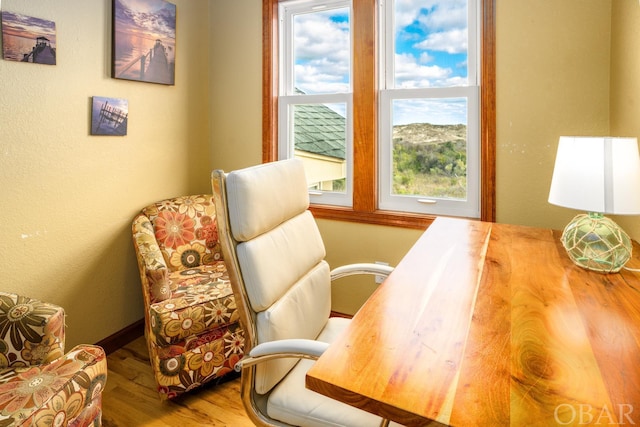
(430, 160)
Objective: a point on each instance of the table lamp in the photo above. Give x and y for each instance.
(600, 175)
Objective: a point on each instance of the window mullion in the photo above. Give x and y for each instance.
(364, 106)
(488, 110)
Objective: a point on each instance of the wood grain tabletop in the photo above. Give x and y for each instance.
(485, 324)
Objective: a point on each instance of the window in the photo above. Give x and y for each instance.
(429, 156)
(364, 98)
(314, 103)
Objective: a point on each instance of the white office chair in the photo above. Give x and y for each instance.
(282, 285)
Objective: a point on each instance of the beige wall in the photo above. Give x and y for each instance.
(563, 68)
(236, 83)
(625, 83)
(552, 75)
(68, 198)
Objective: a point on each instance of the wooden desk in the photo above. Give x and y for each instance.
(491, 325)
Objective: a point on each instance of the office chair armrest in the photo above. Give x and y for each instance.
(298, 348)
(362, 268)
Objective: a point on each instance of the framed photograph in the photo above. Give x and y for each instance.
(109, 116)
(28, 39)
(144, 41)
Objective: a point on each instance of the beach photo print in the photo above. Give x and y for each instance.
(109, 116)
(144, 41)
(28, 39)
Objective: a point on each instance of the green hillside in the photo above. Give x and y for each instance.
(430, 160)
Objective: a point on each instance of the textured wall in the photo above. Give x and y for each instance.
(552, 80)
(625, 83)
(68, 198)
(236, 83)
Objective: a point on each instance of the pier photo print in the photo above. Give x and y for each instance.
(144, 41)
(28, 39)
(109, 116)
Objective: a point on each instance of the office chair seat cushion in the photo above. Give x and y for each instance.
(293, 403)
(201, 300)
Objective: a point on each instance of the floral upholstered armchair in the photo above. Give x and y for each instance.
(191, 319)
(40, 385)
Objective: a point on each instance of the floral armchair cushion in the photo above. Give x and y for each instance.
(32, 332)
(191, 319)
(186, 231)
(201, 300)
(39, 384)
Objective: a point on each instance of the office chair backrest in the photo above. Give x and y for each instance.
(279, 255)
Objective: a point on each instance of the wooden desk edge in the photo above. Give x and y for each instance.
(381, 409)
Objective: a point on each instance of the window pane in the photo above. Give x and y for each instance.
(319, 133)
(430, 147)
(431, 43)
(321, 51)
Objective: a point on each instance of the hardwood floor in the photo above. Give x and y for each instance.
(130, 398)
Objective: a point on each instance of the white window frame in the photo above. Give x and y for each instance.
(288, 98)
(470, 207)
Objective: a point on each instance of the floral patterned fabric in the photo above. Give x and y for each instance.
(191, 319)
(39, 384)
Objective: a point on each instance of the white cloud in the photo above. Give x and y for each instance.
(452, 41)
(319, 36)
(425, 58)
(446, 15)
(412, 73)
(444, 22)
(442, 14)
(407, 11)
(322, 53)
(315, 78)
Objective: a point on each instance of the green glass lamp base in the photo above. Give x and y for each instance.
(596, 243)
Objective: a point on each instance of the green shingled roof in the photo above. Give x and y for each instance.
(319, 130)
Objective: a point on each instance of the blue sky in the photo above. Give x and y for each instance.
(430, 51)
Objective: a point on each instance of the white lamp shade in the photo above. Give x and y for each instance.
(597, 174)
